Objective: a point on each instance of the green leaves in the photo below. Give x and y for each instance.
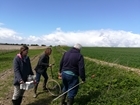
(110, 85)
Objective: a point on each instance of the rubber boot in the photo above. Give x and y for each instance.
(15, 102)
(19, 100)
(44, 85)
(70, 101)
(63, 98)
(35, 90)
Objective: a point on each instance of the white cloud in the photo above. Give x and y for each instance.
(1, 24)
(58, 29)
(101, 37)
(9, 36)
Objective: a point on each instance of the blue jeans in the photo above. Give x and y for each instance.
(38, 75)
(70, 81)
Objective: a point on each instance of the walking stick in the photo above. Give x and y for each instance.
(51, 70)
(67, 91)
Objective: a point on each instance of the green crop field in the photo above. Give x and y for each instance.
(124, 56)
(110, 86)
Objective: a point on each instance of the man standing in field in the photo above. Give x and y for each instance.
(22, 69)
(71, 66)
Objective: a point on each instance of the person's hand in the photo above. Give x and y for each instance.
(59, 76)
(50, 65)
(21, 82)
(83, 81)
(34, 81)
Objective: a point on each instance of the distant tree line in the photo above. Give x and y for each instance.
(21, 44)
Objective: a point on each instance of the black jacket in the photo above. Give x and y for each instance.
(43, 64)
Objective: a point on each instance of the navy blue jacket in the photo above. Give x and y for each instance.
(73, 60)
(22, 68)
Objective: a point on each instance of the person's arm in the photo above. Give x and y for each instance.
(82, 68)
(17, 70)
(41, 61)
(30, 67)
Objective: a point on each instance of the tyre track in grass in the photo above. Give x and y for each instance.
(113, 65)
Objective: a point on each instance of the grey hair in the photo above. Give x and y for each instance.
(77, 46)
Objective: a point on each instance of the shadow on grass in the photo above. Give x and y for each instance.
(40, 93)
(43, 101)
(43, 98)
(84, 99)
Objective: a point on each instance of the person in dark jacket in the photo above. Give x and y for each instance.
(71, 67)
(41, 68)
(22, 69)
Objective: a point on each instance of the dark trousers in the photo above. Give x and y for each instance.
(38, 75)
(70, 81)
(44, 74)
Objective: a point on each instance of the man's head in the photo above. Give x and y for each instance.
(77, 46)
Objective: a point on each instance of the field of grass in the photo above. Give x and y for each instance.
(110, 86)
(124, 56)
(6, 59)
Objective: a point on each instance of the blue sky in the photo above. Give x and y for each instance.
(43, 21)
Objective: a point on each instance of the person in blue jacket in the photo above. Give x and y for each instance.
(71, 67)
(22, 69)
